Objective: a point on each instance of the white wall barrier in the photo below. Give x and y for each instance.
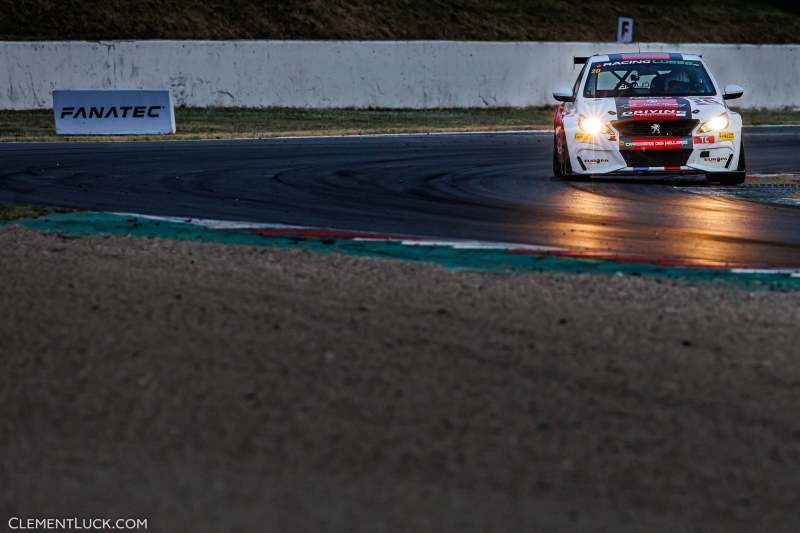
(414, 74)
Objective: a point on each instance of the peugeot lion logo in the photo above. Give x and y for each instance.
(656, 128)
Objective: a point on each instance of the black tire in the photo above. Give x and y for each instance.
(732, 178)
(562, 167)
(742, 167)
(558, 171)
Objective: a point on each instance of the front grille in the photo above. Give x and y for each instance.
(644, 128)
(656, 158)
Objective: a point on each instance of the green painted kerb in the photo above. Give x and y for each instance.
(80, 224)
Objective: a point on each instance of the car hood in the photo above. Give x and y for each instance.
(645, 108)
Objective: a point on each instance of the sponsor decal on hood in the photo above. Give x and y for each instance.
(646, 108)
(704, 100)
(705, 107)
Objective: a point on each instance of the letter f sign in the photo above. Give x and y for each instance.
(624, 30)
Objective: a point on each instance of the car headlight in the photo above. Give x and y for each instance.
(720, 122)
(593, 125)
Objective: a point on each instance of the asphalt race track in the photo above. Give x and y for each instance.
(484, 186)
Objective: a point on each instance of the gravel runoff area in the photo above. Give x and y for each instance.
(230, 388)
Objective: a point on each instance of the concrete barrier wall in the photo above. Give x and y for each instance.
(414, 74)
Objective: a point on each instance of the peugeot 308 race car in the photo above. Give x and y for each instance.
(646, 113)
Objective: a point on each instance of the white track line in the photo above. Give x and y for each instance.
(298, 137)
(751, 134)
(771, 126)
(793, 272)
(481, 245)
(775, 175)
(418, 134)
(213, 224)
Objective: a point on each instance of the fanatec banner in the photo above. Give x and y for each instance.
(113, 112)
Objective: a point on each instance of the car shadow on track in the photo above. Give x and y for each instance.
(689, 179)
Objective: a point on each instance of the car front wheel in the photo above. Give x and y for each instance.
(561, 164)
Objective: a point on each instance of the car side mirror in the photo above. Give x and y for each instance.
(732, 92)
(563, 95)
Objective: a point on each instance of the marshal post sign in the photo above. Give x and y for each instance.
(113, 112)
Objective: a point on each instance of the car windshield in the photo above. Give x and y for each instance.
(648, 77)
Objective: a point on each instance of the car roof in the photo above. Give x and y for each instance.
(632, 56)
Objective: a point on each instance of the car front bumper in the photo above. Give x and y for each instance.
(604, 154)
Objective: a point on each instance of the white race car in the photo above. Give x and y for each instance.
(648, 113)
